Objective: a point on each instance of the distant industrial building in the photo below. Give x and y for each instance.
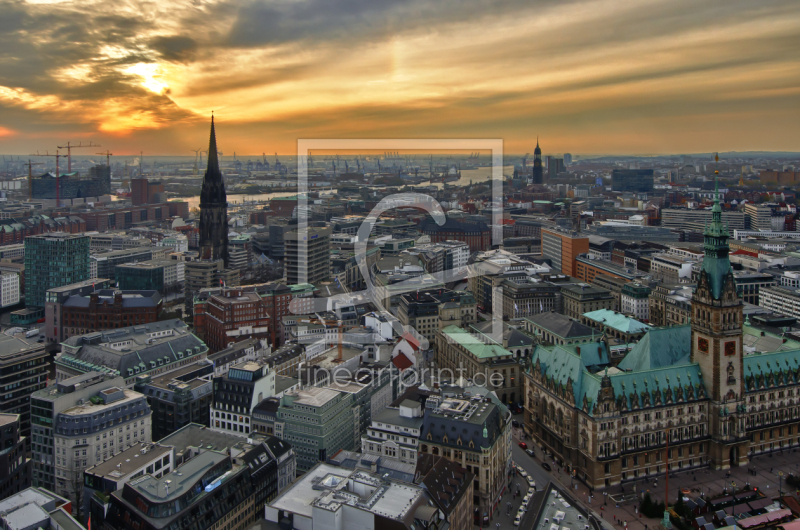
(636, 180)
(73, 185)
(145, 191)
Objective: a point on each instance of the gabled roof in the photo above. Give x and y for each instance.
(560, 325)
(660, 347)
(617, 321)
(401, 361)
(473, 345)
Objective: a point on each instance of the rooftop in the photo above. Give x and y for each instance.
(617, 321)
(129, 460)
(560, 325)
(312, 396)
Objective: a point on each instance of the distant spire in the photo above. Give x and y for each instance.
(213, 162)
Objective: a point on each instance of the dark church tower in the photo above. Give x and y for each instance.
(213, 208)
(717, 315)
(538, 170)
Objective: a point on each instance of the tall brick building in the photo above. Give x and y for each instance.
(477, 235)
(226, 315)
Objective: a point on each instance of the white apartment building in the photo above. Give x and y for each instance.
(9, 289)
(92, 417)
(394, 433)
(177, 241)
(790, 279)
(781, 300)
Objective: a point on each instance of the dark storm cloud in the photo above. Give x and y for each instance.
(176, 48)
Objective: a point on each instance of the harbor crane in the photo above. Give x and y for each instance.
(57, 156)
(30, 176)
(69, 147)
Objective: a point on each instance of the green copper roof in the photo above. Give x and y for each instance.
(769, 369)
(659, 348)
(473, 345)
(617, 321)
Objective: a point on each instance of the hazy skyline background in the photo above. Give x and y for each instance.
(587, 77)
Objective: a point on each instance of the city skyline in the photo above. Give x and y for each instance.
(600, 77)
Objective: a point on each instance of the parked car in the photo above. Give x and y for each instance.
(546, 466)
(531, 453)
(522, 473)
(514, 423)
(517, 519)
(531, 482)
(523, 445)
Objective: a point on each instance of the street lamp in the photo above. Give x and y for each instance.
(780, 484)
(733, 485)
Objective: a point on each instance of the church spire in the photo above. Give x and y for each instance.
(213, 160)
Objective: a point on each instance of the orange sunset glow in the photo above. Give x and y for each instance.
(593, 76)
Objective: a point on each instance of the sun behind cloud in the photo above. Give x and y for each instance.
(152, 77)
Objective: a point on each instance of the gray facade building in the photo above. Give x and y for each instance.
(155, 348)
(178, 398)
(638, 180)
(308, 255)
(78, 423)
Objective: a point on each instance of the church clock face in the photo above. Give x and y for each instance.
(702, 345)
(730, 348)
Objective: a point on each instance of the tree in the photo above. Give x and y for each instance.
(77, 492)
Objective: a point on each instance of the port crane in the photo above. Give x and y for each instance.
(30, 176)
(57, 156)
(69, 147)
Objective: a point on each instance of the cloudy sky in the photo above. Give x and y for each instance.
(594, 76)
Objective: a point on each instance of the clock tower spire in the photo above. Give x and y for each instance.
(717, 315)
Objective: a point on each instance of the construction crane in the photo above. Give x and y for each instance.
(108, 154)
(57, 155)
(30, 176)
(69, 147)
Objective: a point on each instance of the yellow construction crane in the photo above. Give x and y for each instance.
(69, 147)
(30, 176)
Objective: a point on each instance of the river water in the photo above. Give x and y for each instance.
(467, 175)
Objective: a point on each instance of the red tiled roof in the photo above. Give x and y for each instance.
(411, 340)
(402, 362)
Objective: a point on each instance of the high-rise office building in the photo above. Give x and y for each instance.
(213, 208)
(53, 260)
(562, 247)
(308, 255)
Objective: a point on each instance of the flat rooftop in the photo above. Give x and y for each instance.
(129, 460)
(313, 396)
(178, 482)
(197, 435)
